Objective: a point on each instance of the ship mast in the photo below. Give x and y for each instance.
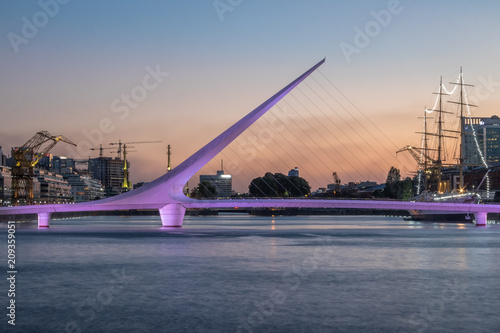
(462, 125)
(440, 124)
(437, 164)
(424, 163)
(426, 148)
(439, 161)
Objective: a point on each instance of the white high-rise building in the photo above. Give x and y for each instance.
(223, 183)
(487, 135)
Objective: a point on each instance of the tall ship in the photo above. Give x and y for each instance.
(452, 162)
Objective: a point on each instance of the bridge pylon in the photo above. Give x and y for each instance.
(172, 215)
(481, 219)
(43, 219)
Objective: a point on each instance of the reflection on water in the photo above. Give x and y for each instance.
(235, 272)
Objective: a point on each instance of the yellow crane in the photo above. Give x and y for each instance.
(25, 159)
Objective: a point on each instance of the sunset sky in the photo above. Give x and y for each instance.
(196, 67)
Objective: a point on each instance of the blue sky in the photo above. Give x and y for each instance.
(65, 78)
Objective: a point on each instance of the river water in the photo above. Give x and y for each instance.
(240, 273)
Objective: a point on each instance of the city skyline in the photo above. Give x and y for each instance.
(200, 67)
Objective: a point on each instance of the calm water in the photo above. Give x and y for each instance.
(236, 273)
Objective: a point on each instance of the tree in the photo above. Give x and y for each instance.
(394, 175)
(393, 186)
(204, 190)
(407, 189)
(299, 187)
(264, 186)
(279, 185)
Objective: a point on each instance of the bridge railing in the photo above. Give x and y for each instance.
(299, 198)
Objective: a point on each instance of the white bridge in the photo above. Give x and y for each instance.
(166, 192)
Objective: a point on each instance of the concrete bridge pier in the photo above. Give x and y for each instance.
(481, 219)
(172, 215)
(43, 220)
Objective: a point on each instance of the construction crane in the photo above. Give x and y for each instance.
(101, 148)
(417, 154)
(120, 145)
(25, 159)
(432, 172)
(336, 181)
(126, 185)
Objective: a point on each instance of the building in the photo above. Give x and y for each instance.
(366, 185)
(3, 158)
(293, 172)
(321, 190)
(5, 186)
(84, 188)
(54, 173)
(357, 187)
(58, 164)
(109, 172)
(137, 185)
(53, 188)
(45, 162)
(223, 183)
(37, 190)
(333, 187)
(487, 135)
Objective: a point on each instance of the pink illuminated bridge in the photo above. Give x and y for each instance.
(166, 192)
